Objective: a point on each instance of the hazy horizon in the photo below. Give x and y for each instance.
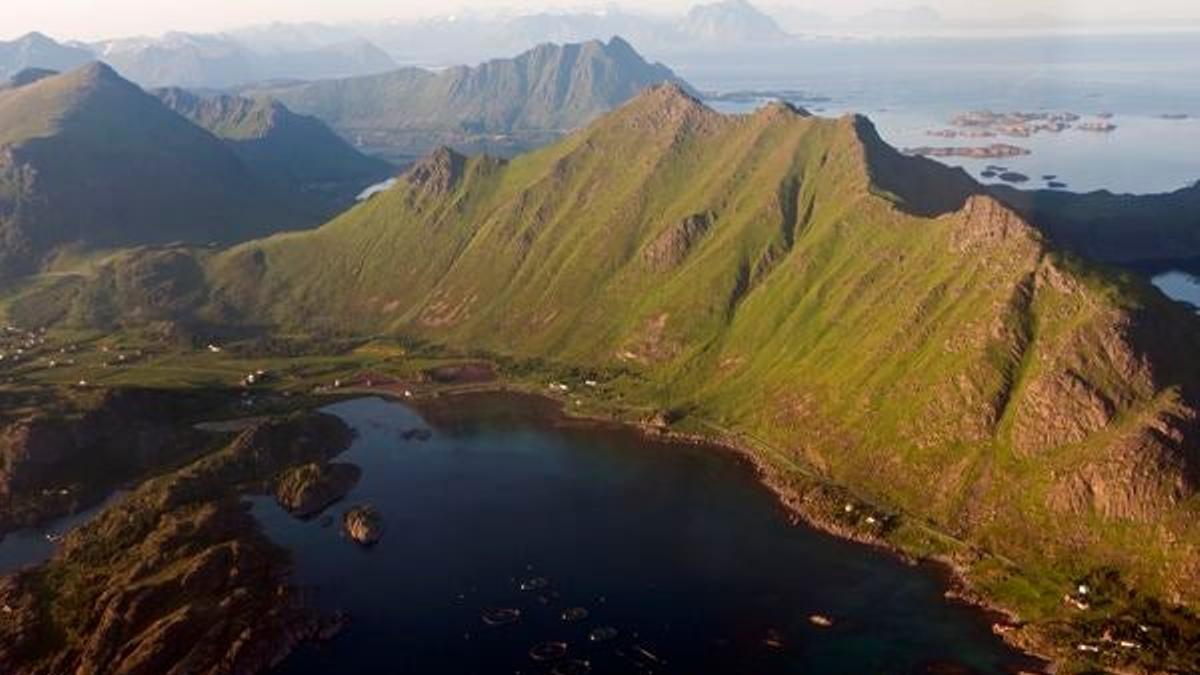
(108, 19)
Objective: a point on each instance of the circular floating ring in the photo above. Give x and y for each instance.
(573, 614)
(602, 634)
(548, 651)
(500, 616)
(535, 584)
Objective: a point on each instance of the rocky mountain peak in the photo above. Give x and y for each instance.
(988, 222)
(94, 76)
(35, 38)
(668, 105)
(439, 172)
(782, 110)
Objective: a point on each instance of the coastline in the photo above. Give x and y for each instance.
(1004, 623)
(804, 499)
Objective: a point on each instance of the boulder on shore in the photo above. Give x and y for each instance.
(363, 524)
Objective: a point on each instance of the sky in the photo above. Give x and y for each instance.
(93, 19)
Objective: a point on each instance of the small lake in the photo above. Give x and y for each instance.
(1179, 286)
(677, 553)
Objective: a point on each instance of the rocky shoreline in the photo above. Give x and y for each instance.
(198, 540)
(818, 507)
(1043, 648)
(178, 576)
(59, 457)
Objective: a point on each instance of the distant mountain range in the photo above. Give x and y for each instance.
(203, 61)
(291, 150)
(217, 61)
(725, 25)
(730, 20)
(315, 51)
(89, 160)
(502, 106)
(38, 51)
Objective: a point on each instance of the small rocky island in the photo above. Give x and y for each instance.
(989, 124)
(363, 524)
(1100, 127)
(757, 95)
(309, 489)
(993, 151)
(984, 123)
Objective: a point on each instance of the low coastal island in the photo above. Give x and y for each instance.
(993, 151)
(756, 95)
(989, 124)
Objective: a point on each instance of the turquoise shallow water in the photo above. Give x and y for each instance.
(676, 547)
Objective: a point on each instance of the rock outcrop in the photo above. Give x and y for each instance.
(177, 577)
(363, 524)
(439, 172)
(672, 246)
(61, 455)
(308, 490)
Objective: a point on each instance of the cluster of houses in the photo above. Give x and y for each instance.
(16, 343)
(257, 377)
(33, 347)
(1080, 599)
(564, 388)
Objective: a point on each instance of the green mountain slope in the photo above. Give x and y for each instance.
(793, 279)
(289, 149)
(502, 105)
(89, 159)
(787, 275)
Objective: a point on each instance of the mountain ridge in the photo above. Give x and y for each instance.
(731, 21)
(36, 50)
(502, 104)
(88, 158)
(287, 148)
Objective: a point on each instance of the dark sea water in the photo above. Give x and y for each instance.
(34, 545)
(910, 86)
(678, 548)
